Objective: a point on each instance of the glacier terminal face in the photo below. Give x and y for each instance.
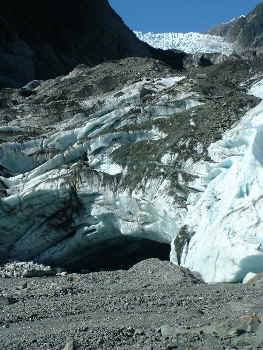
(226, 219)
(95, 164)
(67, 193)
(188, 42)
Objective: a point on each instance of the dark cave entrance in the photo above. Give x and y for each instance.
(121, 254)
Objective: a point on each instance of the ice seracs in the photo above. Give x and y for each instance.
(225, 220)
(64, 201)
(101, 173)
(187, 42)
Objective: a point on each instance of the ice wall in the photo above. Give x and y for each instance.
(225, 220)
(187, 42)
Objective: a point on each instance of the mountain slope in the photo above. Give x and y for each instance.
(222, 29)
(44, 40)
(245, 32)
(248, 32)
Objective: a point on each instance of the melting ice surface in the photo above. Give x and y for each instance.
(187, 42)
(226, 218)
(46, 174)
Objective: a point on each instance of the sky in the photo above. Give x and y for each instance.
(179, 16)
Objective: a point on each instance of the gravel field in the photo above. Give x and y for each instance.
(153, 305)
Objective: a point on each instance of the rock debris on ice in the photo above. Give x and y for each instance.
(81, 177)
(226, 219)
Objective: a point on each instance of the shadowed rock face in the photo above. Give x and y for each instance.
(44, 40)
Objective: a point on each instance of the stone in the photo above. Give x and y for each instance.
(62, 274)
(23, 285)
(26, 92)
(250, 323)
(32, 85)
(172, 346)
(138, 331)
(69, 345)
(4, 300)
(60, 270)
(259, 335)
(254, 278)
(201, 76)
(168, 331)
(249, 278)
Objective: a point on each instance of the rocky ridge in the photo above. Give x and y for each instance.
(223, 29)
(245, 31)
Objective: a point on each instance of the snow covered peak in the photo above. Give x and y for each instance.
(187, 42)
(234, 19)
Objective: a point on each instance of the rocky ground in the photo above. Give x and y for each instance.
(153, 305)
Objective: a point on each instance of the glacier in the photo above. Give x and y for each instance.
(188, 42)
(62, 197)
(225, 220)
(85, 177)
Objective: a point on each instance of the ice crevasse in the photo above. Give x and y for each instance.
(187, 42)
(61, 211)
(225, 219)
